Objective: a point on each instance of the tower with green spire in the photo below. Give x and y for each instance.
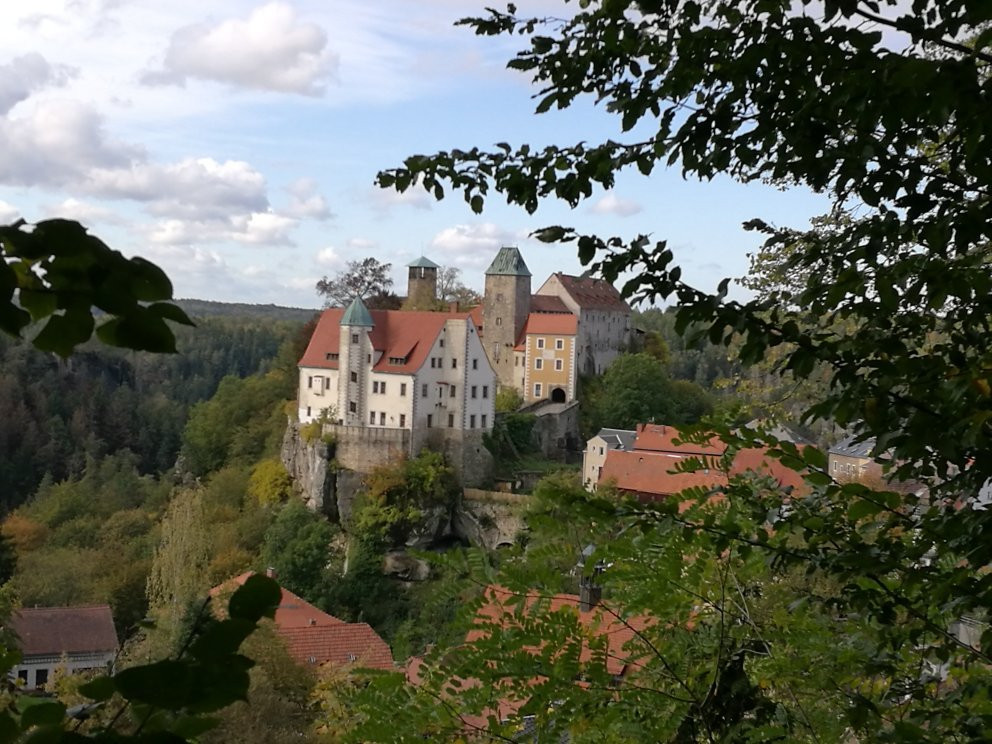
(421, 290)
(505, 308)
(354, 349)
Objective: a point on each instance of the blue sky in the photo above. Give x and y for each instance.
(236, 143)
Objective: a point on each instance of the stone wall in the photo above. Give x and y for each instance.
(362, 448)
(308, 465)
(489, 519)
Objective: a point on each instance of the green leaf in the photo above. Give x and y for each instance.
(99, 688)
(9, 730)
(163, 684)
(40, 303)
(258, 597)
(222, 638)
(43, 713)
(861, 509)
(63, 333)
(814, 457)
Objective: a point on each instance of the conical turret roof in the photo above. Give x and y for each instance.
(357, 314)
(508, 262)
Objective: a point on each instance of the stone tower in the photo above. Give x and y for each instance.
(354, 355)
(421, 290)
(505, 307)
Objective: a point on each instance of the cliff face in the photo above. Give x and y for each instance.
(309, 465)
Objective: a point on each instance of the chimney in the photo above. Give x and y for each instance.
(271, 572)
(589, 595)
(453, 307)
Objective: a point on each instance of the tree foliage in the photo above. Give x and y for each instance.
(58, 273)
(367, 279)
(895, 132)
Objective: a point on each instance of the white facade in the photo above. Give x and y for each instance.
(454, 386)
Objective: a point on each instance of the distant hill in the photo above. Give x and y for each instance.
(209, 308)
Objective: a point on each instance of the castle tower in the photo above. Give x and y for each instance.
(421, 292)
(354, 354)
(505, 307)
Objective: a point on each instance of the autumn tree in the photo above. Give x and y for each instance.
(367, 279)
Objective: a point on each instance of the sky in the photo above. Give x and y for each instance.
(236, 143)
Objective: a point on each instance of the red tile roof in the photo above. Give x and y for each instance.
(70, 630)
(559, 324)
(315, 637)
(502, 606)
(407, 334)
(661, 438)
(293, 611)
(548, 304)
(646, 469)
(339, 645)
(593, 294)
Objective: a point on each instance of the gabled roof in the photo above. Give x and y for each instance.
(559, 324)
(293, 611)
(547, 304)
(340, 645)
(618, 438)
(649, 473)
(661, 438)
(356, 314)
(849, 447)
(592, 294)
(45, 631)
(398, 334)
(422, 263)
(508, 262)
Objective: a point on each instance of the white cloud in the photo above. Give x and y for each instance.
(55, 144)
(193, 188)
(329, 257)
(470, 246)
(8, 213)
(383, 200)
(255, 228)
(361, 244)
(26, 74)
(85, 212)
(612, 204)
(270, 50)
(305, 202)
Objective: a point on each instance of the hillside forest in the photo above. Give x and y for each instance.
(110, 455)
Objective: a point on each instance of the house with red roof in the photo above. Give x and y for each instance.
(70, 639)
(539, 343)
(315, 638)
(649, 467)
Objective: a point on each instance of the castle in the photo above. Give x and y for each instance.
(401, 379)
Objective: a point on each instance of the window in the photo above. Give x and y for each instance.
(354, 338)
(403, 389)
(382, 387)
(483, 421)
(499, 321)
(471, 421)
(485, 391)
(475, 364)
(433, 362)
(454, 364)
(41, 678)
(423, 390)
(451, 421)
(559, 343)
(308, 411)
(499, 297)
(440, 343)
(538, 364)
(22, 674)
(352, 406)
(537, 390)
(430, 421)
(600, 450)
(371, 417)
(375, 386)
(402, 420)
(559, 365)
(475, 389)
(452, 393)
(382, 418)
(540, 343)
(397, 360)
(310, 382)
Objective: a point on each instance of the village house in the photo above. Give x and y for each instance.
(540, 343)
(315, 638)
(648, 469)
(594, 456)
(68, 639)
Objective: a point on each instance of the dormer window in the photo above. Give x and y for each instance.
(332, 357)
